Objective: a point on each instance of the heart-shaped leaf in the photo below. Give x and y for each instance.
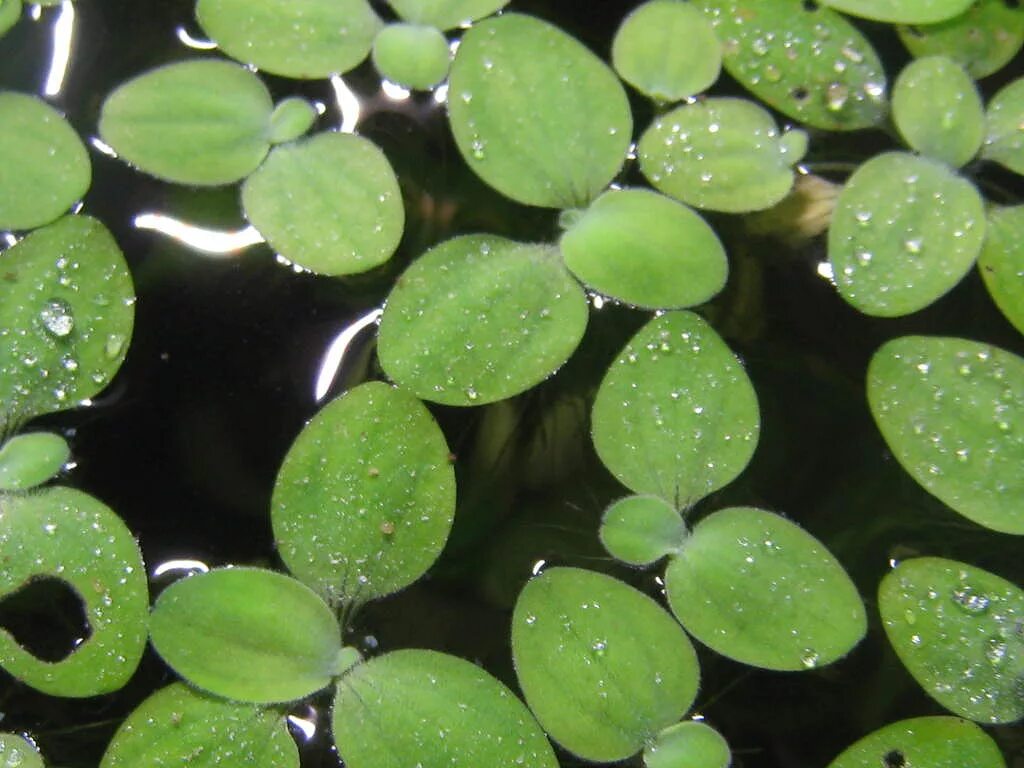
(1004, 140)
(445, 14)
(691, 744)
(412, 55)
(641, 529)
(31, 459)
(1002, 262)
(902, 11)
(937, 742)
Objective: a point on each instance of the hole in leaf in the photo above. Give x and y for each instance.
(46, 617)
(894, 759)
(1012, 3)
(800, 93)
(810, 5)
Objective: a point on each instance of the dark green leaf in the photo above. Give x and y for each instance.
(902, 11)
(641, 529)
(445, 14)
(1004, 139)
(688, 745)
(411, 55)
(935, 742)
(1002, 262)
(31, 459)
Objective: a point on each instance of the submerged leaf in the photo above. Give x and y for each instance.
(691, 744)
(411, 55)
(641, 529)
(902, 11)
(445, 14)
(935, 742)
(1004, 139)
(1002, 262)
(31, 459)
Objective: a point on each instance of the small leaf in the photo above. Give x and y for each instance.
(411, 55)
(295, 38)
(721, 153)
(381, 506)
(645, 249)
(201, 122)
(905, 231)
(938, 111)
(603, 667)
(641, 529)
(70, 536)
(17, 751)
(44, 167)
(759, 589)
(31, 459)
(291, 119)
(1004, 139)
(957, 630)
(438, 711)
(535, 114)
(480, 318)
(936, 742)
(1002, 262)
(667, 50)
(445, 14)
(676, 415)
(10, 12)
(177, 727)
(247, 634)
(902, 11)
(952, 413)
(688, 745)
(330, 203)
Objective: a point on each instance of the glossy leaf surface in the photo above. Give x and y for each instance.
(1004, 140)
(691, 744)
(1002, 262)
(603, 667)
(31, 459)
(445, 14)
(937, 742)
(902, 11)
(16, 751)
(411, 55)
(641, 529)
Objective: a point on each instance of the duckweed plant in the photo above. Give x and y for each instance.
(659, 164)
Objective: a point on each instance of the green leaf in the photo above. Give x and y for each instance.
(202, 122)
(957, 630)
(641, 529)
(381, 506)
(535, 114)
(1004, 139)
(904, 232)
(759, 589)
(445, 14)
(983, 40)
(480, 318)
(67, 306)
(411, 55)
(688, 745)
(938, 110)
(902, 11)
(667, 50)
(603, 667)
(31, 459)
(44, 167)
(1002, 262)
(330, 203)
(936, 742)
(421, 707)
(65, 534)
(952, 413)
(645, 249)
(291, 119)
(177, 727)
(247, 634)
(676, 415)
(806, 61)
(18, 752)
(295, 38)
(10, 12)
(720, 153)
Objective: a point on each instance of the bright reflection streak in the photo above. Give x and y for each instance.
(538, 567)
(199, 238)
(307, 727)
(35, 12)
(336, 352)
(102, 146)
(825, 270)
(169, 566)
(194, 42)
(441, 94)
(9, 238)
(394, 91)
(63, 32)
(348, 104)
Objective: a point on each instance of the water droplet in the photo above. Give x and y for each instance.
(970, 601)
(599, 647)
(759, 46)
(863, 217)
(836, 95)
(863, 256)
(471, 393)
(114, 345)
(57, 318)
(772, 73)
(809, 658)
(531, 619)
(996, 651)
(912, 245)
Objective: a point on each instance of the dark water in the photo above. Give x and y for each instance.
(186, 442)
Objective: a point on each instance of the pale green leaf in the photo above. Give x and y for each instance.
(18, 752)
(31, 459)
(691, 744)
(1004, 138)
(641, 529)
(935, 742)
(902, 11)
(411, 55)
(1002, 262)
(445, 14)
(291, 119)
(10, 12)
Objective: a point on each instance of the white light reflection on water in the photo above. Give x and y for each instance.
(331, 364)
(306, 727)
(210, 241)
(825, 270)
(102, 146)
(171, 566)
(348, 104)
(441, 94)
(63, 35)
(394, 91)
(200, 44)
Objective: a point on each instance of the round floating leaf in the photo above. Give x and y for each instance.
(31, 459)
(201, 122)
(291, 119)
(957, 630)
(411, 55)
(44, 167)
(688, 745)
(535, 114)
(1004, 139)
(364, 500)
(676, 415)
(438, 710)
(247, 634)
(806, 61)
(983, 40)
(445, 14)
(1002, 262)
(905, 230)
(936, 742)
(641, 529)
(294, 38)
(18, 752)
(952, 413)
(603, 667)
(177, 727)
(67, 307)
(645, 249)
(10, 12)
(759, 589)
(724, 154)
(902, 11)
(480, 318)
(65, 534)
(330, 203)
(938, 111)
(667, 50)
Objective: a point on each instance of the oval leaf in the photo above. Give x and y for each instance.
(603, 667)
(761, 590)
(905, 231)
(936, 742)
(381, 506)
(411, 55)
(17, 751)
(1004, 140)
(480, 318)
(291, 118)
(641, 529)
(688, 745)
(676, 415)
(445, 14)
(952, 413)
(330, 204)
(535, 114)
(902, 11)
(31, 459)
(1002, 262)
(957, 630)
